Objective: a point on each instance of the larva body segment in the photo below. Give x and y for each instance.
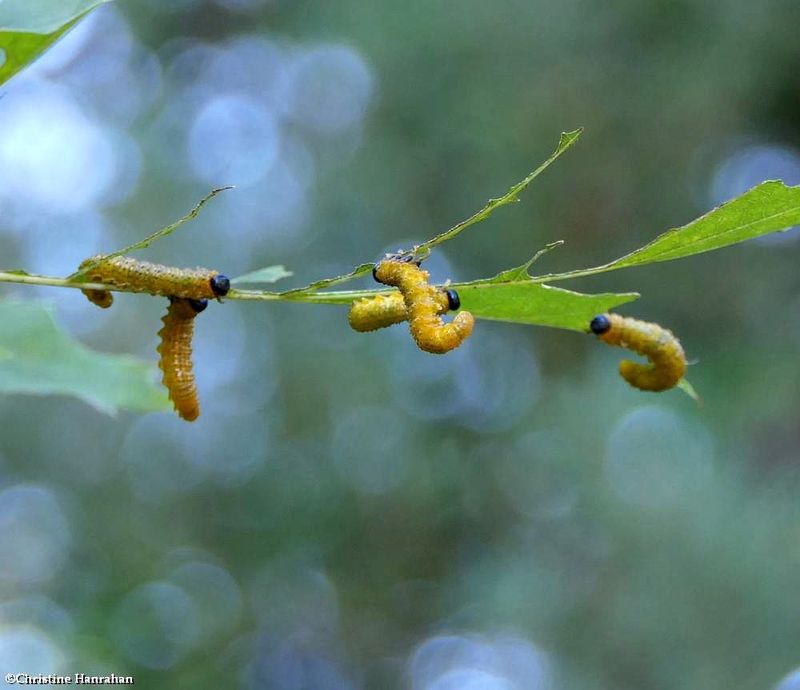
(427, 328)
(667, 358)
(438, 338)
(175, 349)
(371, 313)
(156, 279)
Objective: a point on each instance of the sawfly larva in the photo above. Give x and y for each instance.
(422, 308)
(175, 349)
(371, 313)
(156, 279)
(667, 359)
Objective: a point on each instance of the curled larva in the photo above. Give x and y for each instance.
(667, 359)
(427, 328)
(371, 313)
(143, 276)
(175, 349)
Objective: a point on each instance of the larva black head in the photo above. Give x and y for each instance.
(405, 258)
(600, 324)
(198, 304)
(220, 285)
(453, 300)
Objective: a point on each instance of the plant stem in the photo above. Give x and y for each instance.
(339, 297)
(30, 279)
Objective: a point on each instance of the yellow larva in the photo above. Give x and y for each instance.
(143, 276)
(667, 359)
(371, 313)
(427, 328)
(175, 349)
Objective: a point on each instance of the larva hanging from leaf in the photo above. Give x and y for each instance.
(427, 328)
(175, 349)
(143, 276)
(667, 359)
(371, 313)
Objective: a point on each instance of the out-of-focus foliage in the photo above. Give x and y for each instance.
(29, 27)
(37, 357)
(269, 274)
(510, 197)
(349, 512)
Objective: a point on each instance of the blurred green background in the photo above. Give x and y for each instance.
(350, 512)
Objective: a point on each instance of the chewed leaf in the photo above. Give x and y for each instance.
(357, 272)
(157, 235)
(29, 28)
(172, 227)
(511, 295)
(516, 302)
(566, 141)
(540, 305)
(769, 207)
(522, 272)
(270, 274)
(39, 358)
(422, 250)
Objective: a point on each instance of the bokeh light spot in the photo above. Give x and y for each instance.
(35, 530)
(750, 165)
(155, 625)
(60, 158)
(26, 649)
(330, 88)
(790, 682)
(233, 140)
(654, 456)
(457, 662)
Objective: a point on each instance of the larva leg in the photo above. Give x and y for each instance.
(102, 298)
(175, 349)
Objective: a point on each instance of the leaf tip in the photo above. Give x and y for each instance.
(689, 389)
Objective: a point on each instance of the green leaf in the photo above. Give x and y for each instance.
(768, 207)
(566, 141)
(43, 360)
(541, 305)
(688, 388)
(521, 272)
(270, 274)
(29, 27)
